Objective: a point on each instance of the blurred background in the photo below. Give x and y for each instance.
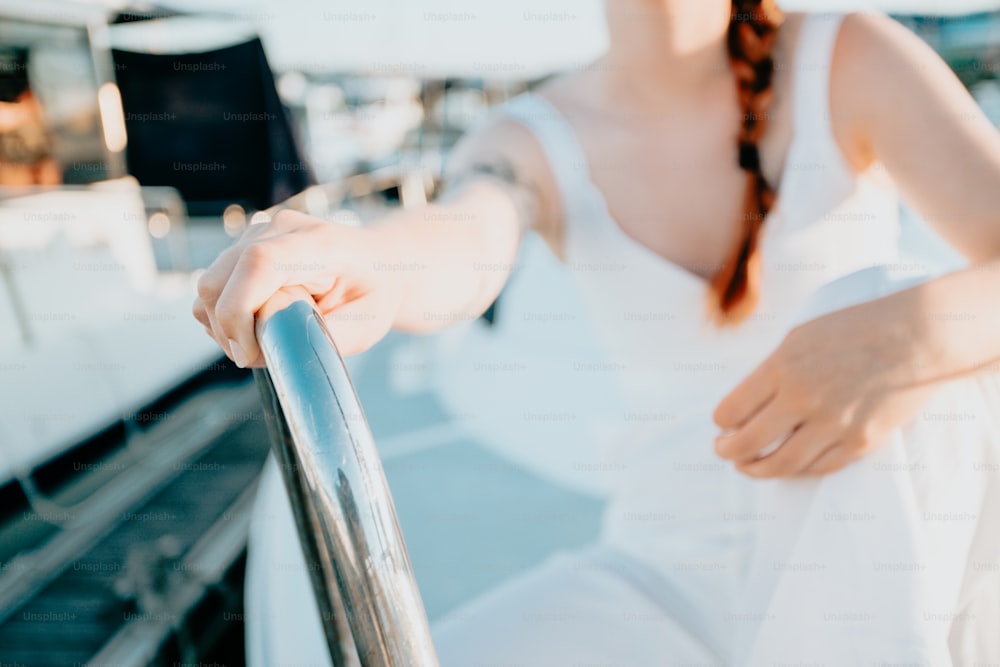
(136, 142)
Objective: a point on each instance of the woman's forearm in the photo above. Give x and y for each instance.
(451, 259)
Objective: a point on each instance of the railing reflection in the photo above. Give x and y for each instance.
(368, 600)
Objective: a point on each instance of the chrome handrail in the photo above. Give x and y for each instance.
(368, 599)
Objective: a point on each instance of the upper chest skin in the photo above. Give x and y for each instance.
(670, 178)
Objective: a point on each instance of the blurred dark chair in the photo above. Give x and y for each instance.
(211, 125)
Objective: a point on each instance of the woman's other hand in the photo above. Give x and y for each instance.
(834, 390)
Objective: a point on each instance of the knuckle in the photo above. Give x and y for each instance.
(198, 310)
(720, 448)
(860, 439)
(251, 232)
(258, 257)
(864, 440)
(841, 421)
(722, 416)
(207, 288)
(871, 436)
(228, 315)
(283, 219)
(733, 446)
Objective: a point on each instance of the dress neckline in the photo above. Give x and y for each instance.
(640, 249)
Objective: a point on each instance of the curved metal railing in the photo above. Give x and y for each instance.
(368, 600)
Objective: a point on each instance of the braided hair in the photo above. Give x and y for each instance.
(753, 29)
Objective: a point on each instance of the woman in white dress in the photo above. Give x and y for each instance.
(819, 494)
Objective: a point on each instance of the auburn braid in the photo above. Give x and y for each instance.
(753, 29)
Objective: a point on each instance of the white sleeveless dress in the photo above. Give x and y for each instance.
(893, 561)
(888, 562)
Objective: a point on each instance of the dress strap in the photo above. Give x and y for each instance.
(812, 67)
(559, 143)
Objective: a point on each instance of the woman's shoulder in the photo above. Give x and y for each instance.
(874, 54)
(510, 141)
(515, 129)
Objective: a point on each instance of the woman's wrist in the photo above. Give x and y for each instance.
(895, 329)
(927, 352)
(953, 321)
(389, 261)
